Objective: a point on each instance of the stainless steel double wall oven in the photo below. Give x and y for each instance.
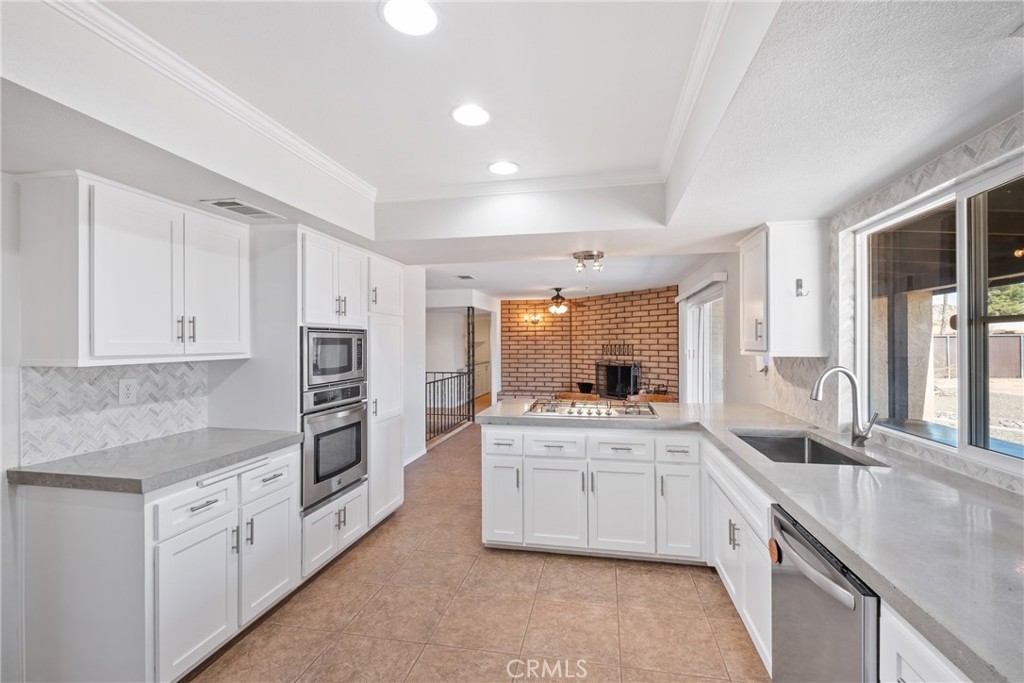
(334, 415)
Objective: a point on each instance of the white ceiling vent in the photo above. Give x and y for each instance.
(242, 209)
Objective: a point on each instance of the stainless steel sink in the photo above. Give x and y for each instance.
(803, 449)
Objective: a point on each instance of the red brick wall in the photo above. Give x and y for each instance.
(562, 349)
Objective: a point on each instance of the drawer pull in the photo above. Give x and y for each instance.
(202, 483)
(234, 540)
(252, 530)
(272, 477)
(555, 445)
(203, 506)
(663, 486)
(337, 519)
(517, 477)
(504, 443)
(583, 482)
(592, 483)
(344, 516)
(678, 451)
(622, 449)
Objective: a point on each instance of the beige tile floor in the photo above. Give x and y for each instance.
(421, 599)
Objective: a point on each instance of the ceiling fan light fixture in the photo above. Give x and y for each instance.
(558, 305)
(411, 17)
(583, 256)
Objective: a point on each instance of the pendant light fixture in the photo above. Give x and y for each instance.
(583, 256)
(558, 306)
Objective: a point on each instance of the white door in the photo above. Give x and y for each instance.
(319, 538)
(353, 523)
(137, 295)
(270, 546)
(555, 502)
(757, 593)
(679, 510)
(192, 623)
(622, 506)
(385, 287)
(216, 286)
(352, 288)
(754, 292)
(320, 280)
(384, 469)
(725, 541)
(384, 379)
(503, 499)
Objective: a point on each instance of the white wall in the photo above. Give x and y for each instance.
(10, 341)
(446, 340)
(743, 384)
(415, 409)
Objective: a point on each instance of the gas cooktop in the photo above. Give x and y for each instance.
(597, 409)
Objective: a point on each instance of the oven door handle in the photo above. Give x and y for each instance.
(310, 422)
(830, 587)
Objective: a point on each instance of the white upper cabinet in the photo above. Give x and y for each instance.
(385, 287)
(216, 286)
(112, 275)
(784, 290)
(333, 283)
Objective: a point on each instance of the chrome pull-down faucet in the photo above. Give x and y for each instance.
(859, 433)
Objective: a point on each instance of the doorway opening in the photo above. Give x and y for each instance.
(705, 346)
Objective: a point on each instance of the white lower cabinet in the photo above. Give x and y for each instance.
(621, 506)
(385, 470)
(905, 656)
(503, 498)
(270, 544)
(330, 529)
(555, 502)
(678, 511)
(196, 594)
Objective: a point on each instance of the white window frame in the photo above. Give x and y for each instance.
(958, 192)
(705, 296)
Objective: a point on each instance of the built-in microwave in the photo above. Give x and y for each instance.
(332, 356)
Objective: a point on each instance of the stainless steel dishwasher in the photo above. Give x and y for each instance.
(824, 619)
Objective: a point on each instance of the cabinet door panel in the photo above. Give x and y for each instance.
(319, 538)
(270, 550)
(191, 623)
(352, 288)
(216, 286)
(757, 595)
(137, 296)
(679, 509)
(353, 517)
(503, 499)
(320, 280)
(622, 506)
(385, 287)
(754, 288)
(724, 541)
(555, 501)
(385, 474)
(385, 373)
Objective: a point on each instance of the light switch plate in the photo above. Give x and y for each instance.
(127, 391)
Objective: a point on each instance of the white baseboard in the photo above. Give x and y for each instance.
(414, 458)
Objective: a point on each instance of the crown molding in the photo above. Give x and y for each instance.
(109, 26)
(711, 29)
(560, 183)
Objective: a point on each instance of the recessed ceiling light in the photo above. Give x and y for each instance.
(411, 17)
(471, 115)
(503, 167)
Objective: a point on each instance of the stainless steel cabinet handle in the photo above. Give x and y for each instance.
(374, 295)
(337, 519)
(272, 477)
(203, 506)
(592, 483)
(181, 328)
(732, 537)
(252, 530)
(504, 443)
(344, 305)
(663, 486)
(622, 449)
(583, 482)
(678, 451)
(375, 407)
(234, 540)
(555, 445)
(758, 324)
(344, 516)
(517, 477)
(192, 323)
(337, 305)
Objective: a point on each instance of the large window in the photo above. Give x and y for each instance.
(931, 302)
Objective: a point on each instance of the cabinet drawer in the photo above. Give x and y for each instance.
(555, 444)
(189, 508)
(276, 474)
(503, 443)
(624, 447)
(677, 448)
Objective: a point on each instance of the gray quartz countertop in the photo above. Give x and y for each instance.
(153, 464)
(944, 550)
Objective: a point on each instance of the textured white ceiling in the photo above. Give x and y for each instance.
(572, 88)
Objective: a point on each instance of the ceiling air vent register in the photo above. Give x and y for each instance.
(241, 208)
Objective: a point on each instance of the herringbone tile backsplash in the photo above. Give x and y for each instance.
(67, 411)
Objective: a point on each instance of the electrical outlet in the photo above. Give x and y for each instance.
(127, 391)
